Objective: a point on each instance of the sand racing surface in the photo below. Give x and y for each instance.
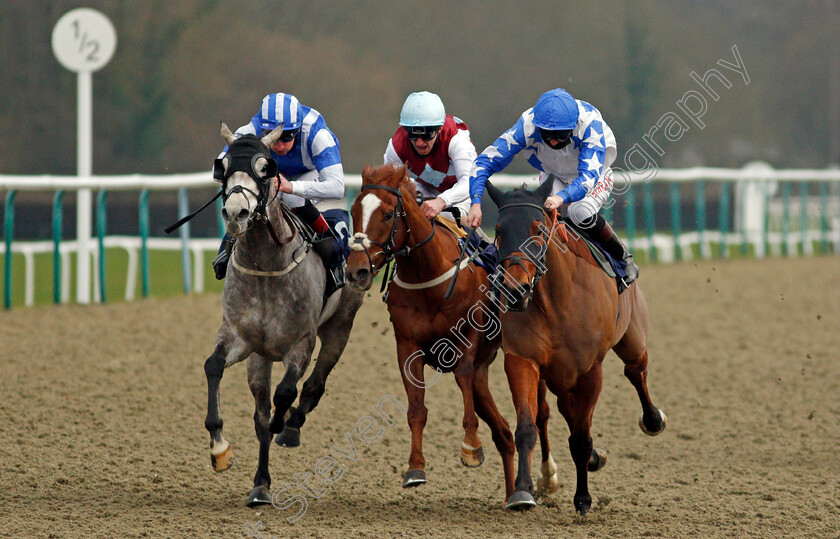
(102, 425)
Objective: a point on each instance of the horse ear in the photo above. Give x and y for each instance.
(402, 174)
(226, 133)
(270, 138)
(545, 189)
(495, 193)
(367, 175)
(391, 175)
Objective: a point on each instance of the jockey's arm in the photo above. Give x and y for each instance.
(495, 158)
(461, 157)
(590, 166)
(324, 184)
(329, 183)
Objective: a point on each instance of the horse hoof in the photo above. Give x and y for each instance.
(663, 422)
(222, 460)
(597, 460)
(290, 437)
(471, 458)
(520, 501)
(259, 496)
(414, 478)
(583, 504)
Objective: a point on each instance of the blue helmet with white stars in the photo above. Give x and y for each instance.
(556, 110)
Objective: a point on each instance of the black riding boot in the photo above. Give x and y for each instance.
(330, 253)
(599, 231)
(325, 244)
(616, 248)
(221, 261)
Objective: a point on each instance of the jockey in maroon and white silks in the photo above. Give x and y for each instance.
(437, 151)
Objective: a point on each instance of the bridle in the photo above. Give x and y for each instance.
(260, 212)
(223, 173)
(516, 258)
(389, 249)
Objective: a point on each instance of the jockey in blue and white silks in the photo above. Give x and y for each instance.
(309, 170)
(568, 138)
(313, 163)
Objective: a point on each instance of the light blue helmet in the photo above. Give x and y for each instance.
(280, 109)
(556, 110)
(422, 109)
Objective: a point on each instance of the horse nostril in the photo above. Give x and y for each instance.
(243, 214)
(224, 213)
(362, 274)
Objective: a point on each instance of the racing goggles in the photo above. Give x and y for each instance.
(423, 133)
(288, 136)
(561, 136)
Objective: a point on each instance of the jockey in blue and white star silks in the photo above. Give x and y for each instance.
(568, 138)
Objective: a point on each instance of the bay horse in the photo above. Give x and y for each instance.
(564, 314)
(460, 335)
(273, 307)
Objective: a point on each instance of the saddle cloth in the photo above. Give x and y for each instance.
(593, 254)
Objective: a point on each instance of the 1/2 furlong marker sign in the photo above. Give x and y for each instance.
(83, 41)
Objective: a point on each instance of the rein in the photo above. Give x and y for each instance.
(516, 259)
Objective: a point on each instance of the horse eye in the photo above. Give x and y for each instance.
(388, 216)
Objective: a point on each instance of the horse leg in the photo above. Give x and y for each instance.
(411, 369)
(485, 406)
(221, 454)
(653, 420)
(334, 334)
(472, 453)
(632, 349)
(577, 406)
(523, 378)
(549, 480)
(296, 361)
(259, 380)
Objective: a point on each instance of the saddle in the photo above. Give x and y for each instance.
(451, 226)
(592, 253)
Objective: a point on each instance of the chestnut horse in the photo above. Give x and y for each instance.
(461, 334)
(564, 314)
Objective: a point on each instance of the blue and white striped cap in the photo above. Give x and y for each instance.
(280, 109)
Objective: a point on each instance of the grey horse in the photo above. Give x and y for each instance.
(273, 307)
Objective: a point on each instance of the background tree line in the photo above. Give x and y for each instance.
(181, 67)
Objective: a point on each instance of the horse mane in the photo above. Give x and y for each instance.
(390, 175)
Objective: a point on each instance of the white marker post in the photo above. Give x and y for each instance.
(83, 41)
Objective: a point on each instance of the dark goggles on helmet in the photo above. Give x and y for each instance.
(561, 136)
(288, 136)
(424, 133)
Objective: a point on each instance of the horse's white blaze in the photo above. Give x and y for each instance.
(369, 204)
